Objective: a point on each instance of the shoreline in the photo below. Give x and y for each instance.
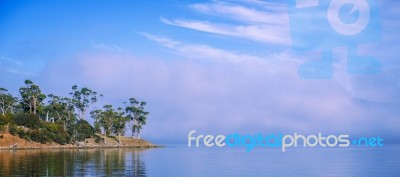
(82, 147)
(77, 147)
(11, 142)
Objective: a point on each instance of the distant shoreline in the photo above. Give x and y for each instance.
(10, 142)
(77, 147)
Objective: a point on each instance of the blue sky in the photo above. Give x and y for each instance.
(213, 66)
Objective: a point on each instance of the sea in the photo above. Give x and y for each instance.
(184, 161)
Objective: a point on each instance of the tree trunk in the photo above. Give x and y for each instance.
(30, 108)
(119, 139)
(138, 135)
(3, 103)
(34, 105)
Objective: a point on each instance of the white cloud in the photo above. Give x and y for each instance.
(14, 66)
(106, 47)
(202, 51)
(13, 61)
(270, 25)
(162, 40)
(276, 13)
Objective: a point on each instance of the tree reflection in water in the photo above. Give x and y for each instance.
(73, 162)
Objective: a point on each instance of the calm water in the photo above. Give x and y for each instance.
(183, 161)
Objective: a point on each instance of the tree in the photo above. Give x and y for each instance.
(96, 115)
(7, 101)
(60, 109)
(138, 116)
(54, 110)
(119, 123)
(61, 115)
(83, 99)
(112, 121)
(31, 97)
(84, 129)
(104, 118)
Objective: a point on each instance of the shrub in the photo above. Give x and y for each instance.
(6, 119)
(41, 135)
(83, 130)
(98, 139)
(27, 135)
(35, 135)
(57, 133)
(62, 138)
(13, 130)
(2, 128)
(21, 132)
(51, 127)
(28, 120)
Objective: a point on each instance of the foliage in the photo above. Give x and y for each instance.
(6, 119)
(85, 130)
(138, 116)
(60, 109)
(13, 130)
(112, 121)
(98, 139)
(2, 128)
(51, 127)
(7, 102)
(23, 134)
(119, 122)
(57, 133)
(40, 135)
(82, 99)
(28, 120)
(97, 127)
(55, 119)
(32, 97)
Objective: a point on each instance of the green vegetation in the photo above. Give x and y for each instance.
(28, 120)
(138, 116)
(37, 117)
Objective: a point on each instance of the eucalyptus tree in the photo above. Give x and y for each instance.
(31, 97)
(138, 116)
(105, 119)
(60, 109)
(96, 115)
(54, 108)
(112, 121)
(119, 123)
(7, 101)
(82, 99)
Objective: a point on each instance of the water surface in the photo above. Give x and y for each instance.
(182, 161)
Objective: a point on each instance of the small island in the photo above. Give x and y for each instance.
(34, 120)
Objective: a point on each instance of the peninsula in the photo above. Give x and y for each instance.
(36, 120)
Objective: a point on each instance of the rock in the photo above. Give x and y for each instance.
(80, 144)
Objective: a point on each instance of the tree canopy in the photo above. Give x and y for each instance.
(62, 119)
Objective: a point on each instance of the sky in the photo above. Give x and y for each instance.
(216, 67)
